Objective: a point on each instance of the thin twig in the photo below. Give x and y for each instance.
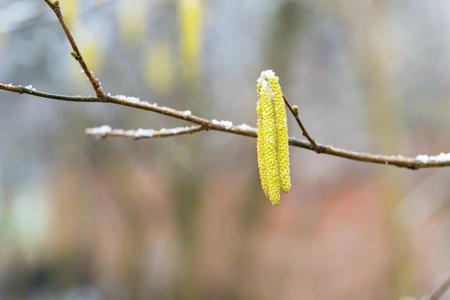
(31, 91)
(294, 111)
(76, 52)
(105, 131)
(245, 130)
(441, 290)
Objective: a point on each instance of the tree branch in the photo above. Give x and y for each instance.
(420, 161)
(294, 111)
(436, 295)
(440, 291)
(76, 53)
(105, 130)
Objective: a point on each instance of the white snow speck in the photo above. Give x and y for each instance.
(443, 157)
(246, 127)
(148, 133)
(268, 73)
(142, 132)
(186, 113)
(30, 87)
(128, 98)
(175, 130)
(263, 80)
(422, 158)
(226, 124)
(102, 130)
(131, 99)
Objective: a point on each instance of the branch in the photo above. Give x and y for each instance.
(76, 52)
(420, 161)
(105, 130)
(294, 111)
(436, 295)
(441, 290)
(29, 89)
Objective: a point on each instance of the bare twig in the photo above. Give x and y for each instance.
(437, 294)
(420, 161)
(32, 91)
(294, 111)
(76, 52)
(441, 290)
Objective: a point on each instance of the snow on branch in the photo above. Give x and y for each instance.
(105, 130)
(201, 124)
(442, 160)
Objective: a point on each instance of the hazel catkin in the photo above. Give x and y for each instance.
(272, 138)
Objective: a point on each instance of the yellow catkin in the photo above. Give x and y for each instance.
(272, 139)
(132, 20)
(190, 22)
(282, 135)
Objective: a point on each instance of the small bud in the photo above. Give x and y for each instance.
(74, 54)
(295, 109)
(56, 4)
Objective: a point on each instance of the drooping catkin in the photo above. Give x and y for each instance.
(272, 139)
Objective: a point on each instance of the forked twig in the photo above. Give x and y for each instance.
(76, 53)
(440, 291)
(294, 111)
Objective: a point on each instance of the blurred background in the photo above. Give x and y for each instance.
(185, 217)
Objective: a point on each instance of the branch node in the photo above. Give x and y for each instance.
(76, 52)
(294, 111)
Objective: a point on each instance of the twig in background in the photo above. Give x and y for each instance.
(440, 291)
(294, 111)
(105, 130)
(76, 53)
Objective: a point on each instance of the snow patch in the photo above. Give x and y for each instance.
(226, 124)
(30, 87)
(128, 98)
(245, 127)
(137, 133)
(102, 130)
(267, 74)
(142, 133)
(443, 157)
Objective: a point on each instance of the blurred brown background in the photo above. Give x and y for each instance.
(185, 217)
